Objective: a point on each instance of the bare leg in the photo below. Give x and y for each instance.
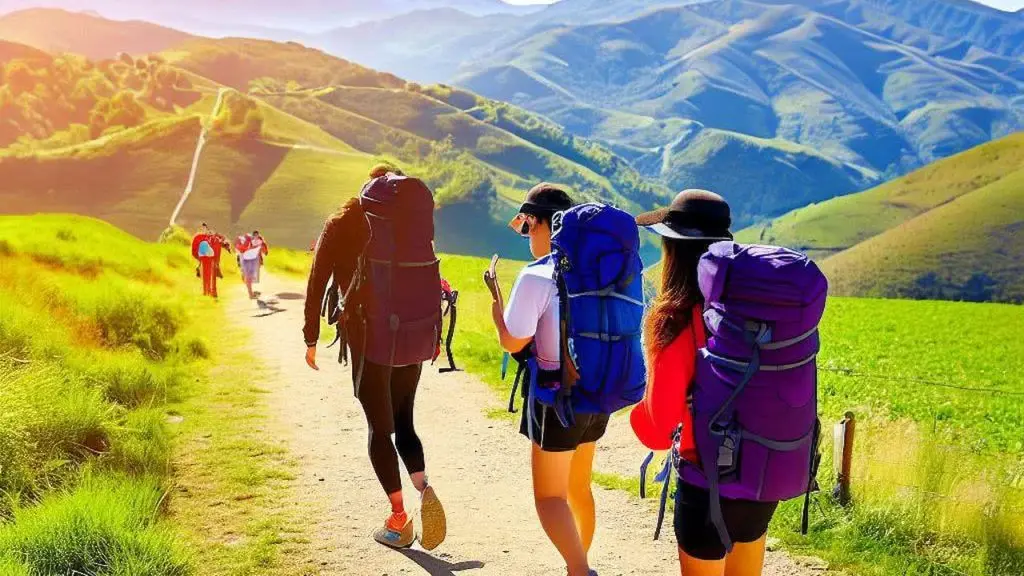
(746, 559)
(581, 498)
(690, 566)
(551, 492)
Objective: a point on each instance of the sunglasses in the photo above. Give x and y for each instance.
(522, 224)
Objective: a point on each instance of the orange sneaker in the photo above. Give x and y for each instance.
(398, 532)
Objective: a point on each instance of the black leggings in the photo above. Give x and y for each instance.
(388, 395)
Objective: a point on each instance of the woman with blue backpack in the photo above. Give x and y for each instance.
(573, 320)
(730, 343)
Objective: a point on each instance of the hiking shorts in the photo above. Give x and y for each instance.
(745, 520)
(251, 270)
(549, 434)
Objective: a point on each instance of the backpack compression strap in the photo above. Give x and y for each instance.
(452, 312)
(570, 373)
(521, 358)
(664, 476)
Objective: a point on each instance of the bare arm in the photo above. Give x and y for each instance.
(507, 341)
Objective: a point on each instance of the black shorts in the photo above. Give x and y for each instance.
(549, 434)
(746, 521)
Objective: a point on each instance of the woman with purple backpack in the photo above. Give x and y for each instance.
(730, 344)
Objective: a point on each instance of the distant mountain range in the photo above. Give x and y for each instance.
(775, 103)
(272, 18)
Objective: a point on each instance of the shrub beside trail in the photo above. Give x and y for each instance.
(98, 331)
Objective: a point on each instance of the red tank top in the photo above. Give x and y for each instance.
(665, 404)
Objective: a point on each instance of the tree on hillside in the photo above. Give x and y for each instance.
(125, 110)
(19, 77)
(239, 116)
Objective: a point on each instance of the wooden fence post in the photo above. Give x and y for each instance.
(842, 457)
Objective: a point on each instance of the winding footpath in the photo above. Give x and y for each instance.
(478, 465)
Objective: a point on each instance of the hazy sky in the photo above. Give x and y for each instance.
(1002, 4)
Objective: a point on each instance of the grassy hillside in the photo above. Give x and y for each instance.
(237, 62)
(96, 337)
(833, 226)
(971, 248)
(949, 231)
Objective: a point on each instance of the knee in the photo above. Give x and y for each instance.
(379, 439)
(544, 493)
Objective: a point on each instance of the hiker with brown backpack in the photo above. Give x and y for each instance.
(375, 276)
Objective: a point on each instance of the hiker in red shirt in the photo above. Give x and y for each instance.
(203, 251)
(219, 243)
(673, 333)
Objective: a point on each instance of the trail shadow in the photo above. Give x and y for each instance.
(268, 308)
(438, 567)
(290, 296)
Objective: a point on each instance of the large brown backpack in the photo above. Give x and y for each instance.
(402, 308)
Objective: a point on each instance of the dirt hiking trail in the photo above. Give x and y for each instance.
(478, 465)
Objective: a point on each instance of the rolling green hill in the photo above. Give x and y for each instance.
(951, 230)
(971, 248)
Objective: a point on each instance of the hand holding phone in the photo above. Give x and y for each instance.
(491, 279)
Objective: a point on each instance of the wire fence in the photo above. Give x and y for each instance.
(919, 381)
(908, 460)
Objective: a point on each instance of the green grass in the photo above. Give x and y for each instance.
(106, 526)
(97, 334)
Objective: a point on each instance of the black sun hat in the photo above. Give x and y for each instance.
(545, 199)
(693, 215)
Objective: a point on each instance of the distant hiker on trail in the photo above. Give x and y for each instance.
(204, 252)
(583, 362)
(377, 254)
(219, 243)
(251, 251)
(730, 342)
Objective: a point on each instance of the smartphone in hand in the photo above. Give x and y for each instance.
(493, 270)
(491, 279)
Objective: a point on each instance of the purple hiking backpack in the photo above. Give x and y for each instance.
(402, 311)
(754, 396)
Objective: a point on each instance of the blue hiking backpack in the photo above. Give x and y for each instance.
(599, 275)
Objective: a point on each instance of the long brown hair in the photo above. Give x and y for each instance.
(672, 311)
(349, 240)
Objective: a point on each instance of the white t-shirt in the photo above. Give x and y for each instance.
(532, 311)
(253, 252)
